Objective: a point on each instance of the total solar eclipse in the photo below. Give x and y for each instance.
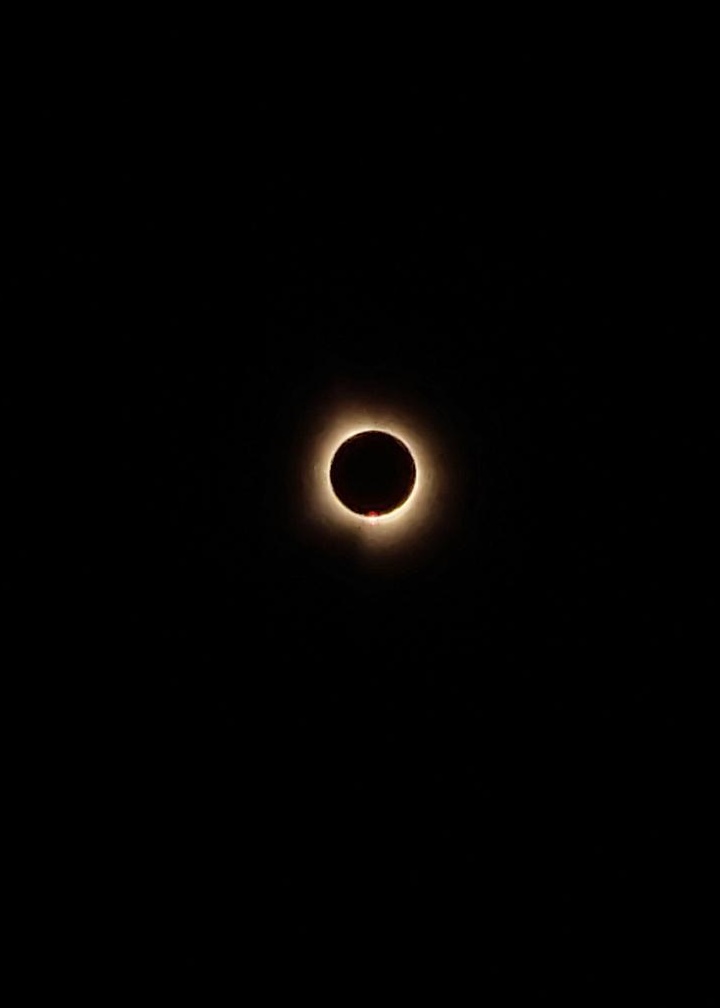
(372, 473)
(377, 477)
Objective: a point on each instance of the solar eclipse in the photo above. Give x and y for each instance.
(372, 473)
(377, 474)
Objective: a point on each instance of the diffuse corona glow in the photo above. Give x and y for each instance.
(411, 526)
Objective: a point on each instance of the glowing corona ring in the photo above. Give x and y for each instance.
(415, 520)
(402, 482)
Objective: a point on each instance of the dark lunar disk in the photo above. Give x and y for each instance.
(372, 473)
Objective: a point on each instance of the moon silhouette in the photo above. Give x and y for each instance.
(377, 478)
(372, 473)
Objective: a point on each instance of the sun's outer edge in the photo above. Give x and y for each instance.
(375, 519)
(406, 520)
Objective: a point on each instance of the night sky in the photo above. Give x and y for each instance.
(503, 733)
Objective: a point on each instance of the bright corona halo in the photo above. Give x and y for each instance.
(411, 525)
(398, 515)
(373, 474)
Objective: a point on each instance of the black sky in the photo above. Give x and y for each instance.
(509, 727)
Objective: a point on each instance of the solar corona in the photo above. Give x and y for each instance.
(375, 472)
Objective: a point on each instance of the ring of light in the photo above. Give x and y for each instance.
(391, 516)
(402, 496)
